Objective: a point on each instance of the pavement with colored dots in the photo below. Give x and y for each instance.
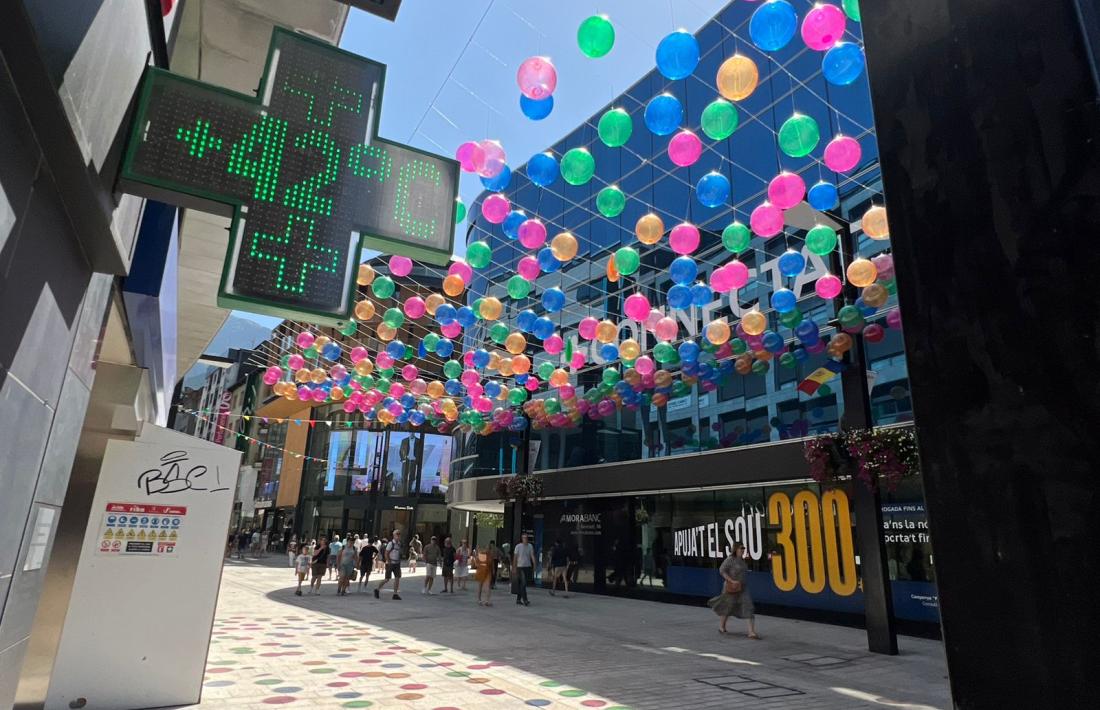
(270, 647)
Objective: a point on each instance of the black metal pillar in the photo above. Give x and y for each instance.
(989, 136)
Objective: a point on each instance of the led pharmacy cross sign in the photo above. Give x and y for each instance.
(302, 172)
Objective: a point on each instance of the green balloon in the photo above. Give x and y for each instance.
(479, 255)
(383, 287)
(596, 36)
(383, 384)
(736, 238)
(760, 367)
(460, 210)
(679, 389)
(517, 395)
(452, 368)
(891, 286)
(799, 135)
(824, 391)
(310, 353)
(368, 381)
(430, 341)
(518, 287)
(284, 361)
(577, 166)
(719, 119)
(791, 318)
(498, 332)
(615, 128)
(545, 369)
(849, 316)
(787, 360)
(409, 353)
(552, 405)
(610, 201)
(627, 260)
(611, 376)
(851, 9)
(476, 305)
(393, 317)
(821, 240)
(738, 346)
(385, 376)
(663, 352)
(349, 328)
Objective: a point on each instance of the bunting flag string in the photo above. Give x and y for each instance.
(242, 436)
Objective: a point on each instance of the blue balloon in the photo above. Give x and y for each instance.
(553, 299)
(800, 354)
(823, 196)
(492, 389)
(792, 263)
(542, 169)
(500, 181)
(678, 55)
(453, 387)
(543, 328)
(609, 351)
(536, 109)
(525, 320)
(689, 351)
(679, 297)
(518, 424)
(784, 300)
(663, 114)
(444, 347)
(547, 261)
(465, 316)
(773, 25)
(416, 418)
(370, 415)
(408, 401)
(712, 190)
(480, 357)
(445, 314)
(331, 351)
(843, 64)
(512, 222)
(521, 379)
(395, 349)
(864, 309)
(701, 294)
(772, 341)
(807, 332)
(387, 401)
(683, 270)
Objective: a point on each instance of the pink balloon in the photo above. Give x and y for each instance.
(766, 220)
(396, 390)
(451, 330)
(554, 344)
(648, 381)
(357, 353)
(493, 159)
(409, 373)
(468, 359)
(577, 361)
(684, 238)
(666, 329)
(537, 78)
(395, 409)
(587, 327)
(475, 390)
(461, 268)
(685, 148)
(400, 265)
(270, 378)
(319, 395)
(349, 406)
(532, 233)
(384, 360)
(828, 286)
(651, 319)
(885, 265)
(823, 27)
(842, 154)
(528, 267)
(495, 208)
(817, 347)
(305, 339)
(893, 319)
(415, 307)
(636, 307)
(338, 372)
(296, 362)
(721, 280)
(418, 386)
(532, 384)
(470, 155)
(483, 404)
(786, 190)
(470, 377)
(738, 272)
(567, 391)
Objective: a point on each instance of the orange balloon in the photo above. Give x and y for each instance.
(564, 246)
(365, 275)
(302, 374)
(649, 229)
(841, 342)
(521, 364)
(874, 223)
(632, 376)
(364, 310)
(629, 349)
(515, 343)
(743, 364)
(662, 378)
(364, 367)
(435, 389)
(494, 361)
(875, 295)
(612, 270)
(660, 399)
(432, 302)
(559, 377)
(718, 332)
(318, 376)
(505, 367)
(606, 331)
(321, 342)
(861, 272)
(491, 308)
(754, 322)
(737, 78)
(453, 285)
(337, 393)
(384, 332)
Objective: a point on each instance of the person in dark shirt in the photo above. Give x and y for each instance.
(559, 567)
(448, 559)
(319, 564)
(367, 553)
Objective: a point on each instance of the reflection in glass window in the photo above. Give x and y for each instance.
(435, 474)
(400, 463)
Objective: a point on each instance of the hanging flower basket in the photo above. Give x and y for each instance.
(489, 520)
(519, 488)
(879, 457)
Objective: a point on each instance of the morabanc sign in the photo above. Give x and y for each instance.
(302, 172)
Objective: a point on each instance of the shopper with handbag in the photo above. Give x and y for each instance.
(735, 599)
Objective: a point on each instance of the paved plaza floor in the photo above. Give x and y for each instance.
(588, 651)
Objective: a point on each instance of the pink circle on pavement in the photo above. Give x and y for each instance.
(413, 686)
(492, 691)
(279, 700)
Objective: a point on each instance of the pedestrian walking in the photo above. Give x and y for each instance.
(346, 563)
(393, 566)
(367, 553)
(559, 567)
(523, 569)
(379, 558)
(334, 553)
(416, 549)
(301, 567)
(292, 551)
(255, 543)
(494, 559)
(244, 538)
(447, 557)
(483, 574)
(462, 564)
(432, 553)
(318, 564)
(735, 599)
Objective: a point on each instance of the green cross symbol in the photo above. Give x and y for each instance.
(285, 281)
(198, 139)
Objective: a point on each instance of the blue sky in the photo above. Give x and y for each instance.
(451, 68)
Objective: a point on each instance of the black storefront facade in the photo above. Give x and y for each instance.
(659, 530)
